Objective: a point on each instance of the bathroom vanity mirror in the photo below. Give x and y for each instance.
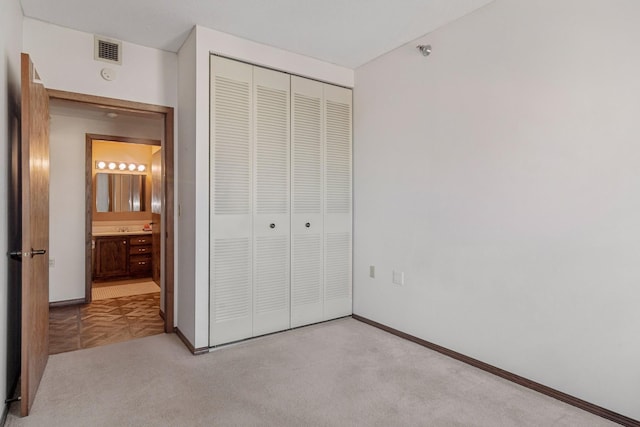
(120, 192)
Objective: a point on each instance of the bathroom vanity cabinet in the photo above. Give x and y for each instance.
(122, 257)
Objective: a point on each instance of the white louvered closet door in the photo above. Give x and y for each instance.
(306, 202)
(271, 218)
(231, 201)
(337, 203)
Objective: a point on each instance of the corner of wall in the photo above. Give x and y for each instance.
(186, 187)
(475, 174)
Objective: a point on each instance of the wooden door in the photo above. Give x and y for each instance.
(35, 232)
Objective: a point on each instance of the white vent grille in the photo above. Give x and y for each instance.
(232, 148)
(338, 161)
(272, 151)
(338, 269)
(307, 270)
(272, 274)
(307, 154)
(107, 50)
(232, 279)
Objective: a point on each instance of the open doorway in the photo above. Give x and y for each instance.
(124, 185)
(148, 128)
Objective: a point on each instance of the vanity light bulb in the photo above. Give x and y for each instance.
(132, 167)
(141, 168)
(122, 166)
(101, 165)
(112, 165)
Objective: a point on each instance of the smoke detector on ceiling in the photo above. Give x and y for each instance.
(108, 74)
(107, 50)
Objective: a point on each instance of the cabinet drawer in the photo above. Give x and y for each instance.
(139, 264)
(139, 250)
(139, 240)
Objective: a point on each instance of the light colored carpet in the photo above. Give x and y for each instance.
(340, 373)
(106, 292)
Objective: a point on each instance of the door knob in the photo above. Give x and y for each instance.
(272, 225)
(35, 252)
(308, 225)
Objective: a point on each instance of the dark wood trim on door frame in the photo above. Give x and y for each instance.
(90, 206)
(540, 388)
(67, 302)
(119, 105)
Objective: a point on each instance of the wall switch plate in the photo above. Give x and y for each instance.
(398, 277)
(372, 271)
(52, 262)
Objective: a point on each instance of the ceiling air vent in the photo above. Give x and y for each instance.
(107, 50)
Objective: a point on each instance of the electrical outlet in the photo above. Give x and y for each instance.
(52, 262)
(372, 271)
(398, 277)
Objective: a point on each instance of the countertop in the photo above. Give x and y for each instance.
(120, 233)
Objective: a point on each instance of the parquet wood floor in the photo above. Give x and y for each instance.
(104, 322)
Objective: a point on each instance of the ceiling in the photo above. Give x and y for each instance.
(344, 32)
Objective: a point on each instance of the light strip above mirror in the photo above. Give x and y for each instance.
(123, 166)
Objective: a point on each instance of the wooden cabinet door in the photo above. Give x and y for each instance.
(111, 257)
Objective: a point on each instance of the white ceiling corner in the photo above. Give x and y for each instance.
(348, 33)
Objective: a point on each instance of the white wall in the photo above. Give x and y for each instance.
(501, 174)
(10, 46)
(64, 58)
(67, 193)
(194, 128)
(186, 195)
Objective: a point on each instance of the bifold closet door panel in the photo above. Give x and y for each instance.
(337, 202)
(271, 216)
(231, 218)
(306, 192)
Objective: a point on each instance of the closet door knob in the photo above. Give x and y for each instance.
(272, 225)
(308, 225)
